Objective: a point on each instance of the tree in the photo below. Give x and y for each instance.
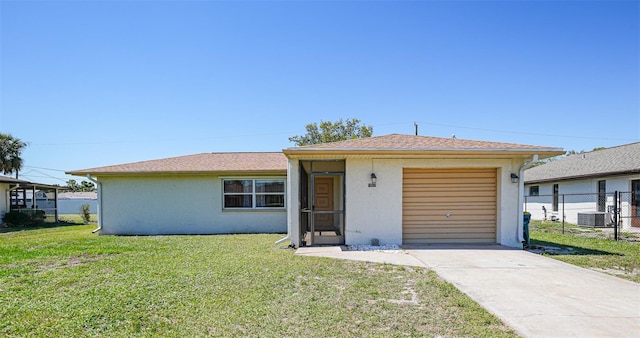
(11, 154)
(329, 131)
(82, 186)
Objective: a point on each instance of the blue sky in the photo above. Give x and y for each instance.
(107, 82)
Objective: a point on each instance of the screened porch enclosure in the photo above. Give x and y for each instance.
(34, 198)
(322, 202)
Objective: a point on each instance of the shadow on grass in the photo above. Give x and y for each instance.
(576, 250)
(14, 228)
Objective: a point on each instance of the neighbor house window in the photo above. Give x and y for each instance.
(602, 195)
(253, 193)
(556, 194)
(534, 190)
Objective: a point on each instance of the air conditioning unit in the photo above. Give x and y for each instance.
(592, 219)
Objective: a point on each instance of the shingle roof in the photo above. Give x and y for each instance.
(399, 142)
(610, 161)
(5, 179)
(27, 184)
(199, 163)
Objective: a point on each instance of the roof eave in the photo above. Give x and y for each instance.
(581, 177)
(180, 173)
(542, 153)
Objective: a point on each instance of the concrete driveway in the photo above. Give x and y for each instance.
(535, 295)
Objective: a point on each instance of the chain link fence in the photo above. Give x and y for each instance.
(614, 216)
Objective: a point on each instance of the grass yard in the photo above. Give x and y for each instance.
(76, 218)
(618, 258)
(66, 281)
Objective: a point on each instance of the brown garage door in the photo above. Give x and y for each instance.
(449, 206)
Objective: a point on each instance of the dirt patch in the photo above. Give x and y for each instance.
(69, 263)
(554, 250)
(618, 271)
(409, 290)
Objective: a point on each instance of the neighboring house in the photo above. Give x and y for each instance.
(16, 194)
(587, 181)
(209, 193)
(396, 189)
(72, 202)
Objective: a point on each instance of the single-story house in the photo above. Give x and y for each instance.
(393, 189)
(209, 193)
(587, 182)
(17, 194)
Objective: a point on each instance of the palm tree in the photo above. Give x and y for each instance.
(10, 152)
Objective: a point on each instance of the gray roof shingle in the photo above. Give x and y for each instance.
(611, 161)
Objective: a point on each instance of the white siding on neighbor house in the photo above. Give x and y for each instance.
(73, 206)
(580, 196)
(178, 205)
(377, 212)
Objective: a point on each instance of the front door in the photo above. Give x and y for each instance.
(327, 214)
(635, 203)
(323, 199)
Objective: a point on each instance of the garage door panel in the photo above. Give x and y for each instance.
(449, 220)
(448, 241)
(413, 227)
(418, 190)
(460, 206)
(437, 209)
(471, 228)
(467, 195)
(416, 195)
(427, 216)
(443, 235)
(451, 200)
(445, 172)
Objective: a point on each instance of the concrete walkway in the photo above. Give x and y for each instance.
(535, 295)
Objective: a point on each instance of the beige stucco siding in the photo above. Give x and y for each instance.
(377, 212)
(177, 205)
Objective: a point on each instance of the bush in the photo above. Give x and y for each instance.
(24, 218)
(85, 213)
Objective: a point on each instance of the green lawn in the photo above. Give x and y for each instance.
(590, 248)
(65, 281)
(76, 218)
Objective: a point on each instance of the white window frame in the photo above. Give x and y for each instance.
(253, 192)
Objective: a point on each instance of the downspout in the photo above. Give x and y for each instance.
(282, 239)
(99, 187)
(524, 166)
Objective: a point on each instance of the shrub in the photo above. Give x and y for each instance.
(24, 218)
(85, 213)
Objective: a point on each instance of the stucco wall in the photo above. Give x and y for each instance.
(377, 212)
(178, 205)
